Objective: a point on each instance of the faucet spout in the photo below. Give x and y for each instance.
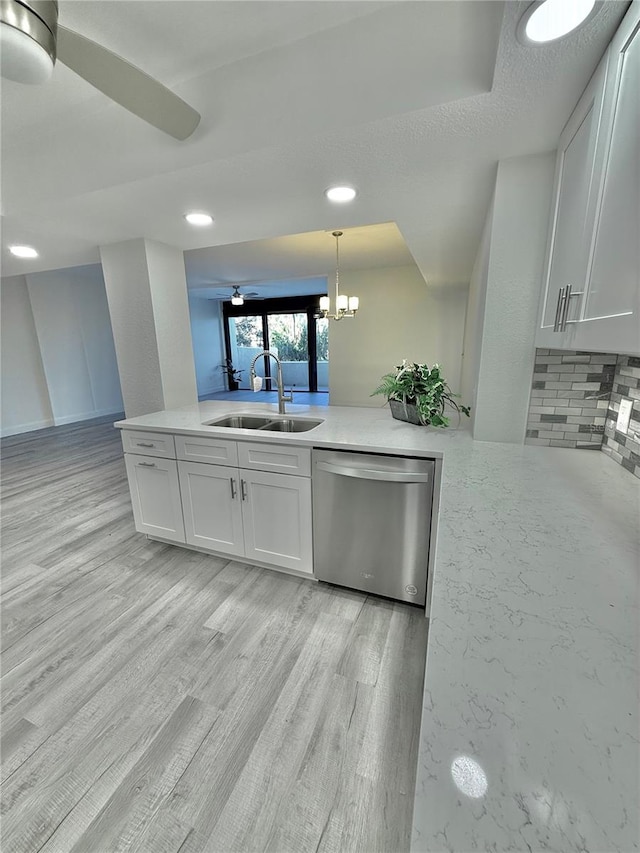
(282, 397)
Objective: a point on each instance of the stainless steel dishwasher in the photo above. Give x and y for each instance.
(372, 522)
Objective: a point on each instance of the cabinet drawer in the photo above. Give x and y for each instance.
(148, 443)
(275, 457)
(217, 451)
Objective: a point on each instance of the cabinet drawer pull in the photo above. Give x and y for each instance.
(144, 444)
(559, 307)
(233, 488)
(243, 489)
(147, 464)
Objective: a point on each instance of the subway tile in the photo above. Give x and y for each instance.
(576, 359)
(603, 358)
(564, 368)
(570, 410)
(562, 442)
(542, 351)
(629, 465)
(602, 404)
(633, 361)
(582, 446)
(580, 419)
(547, 434)
(566, 427)
(586, 386)
(538, 384)
(548, 359)
(540, 368)
(572, 395)
(553, 419)
(542, 410)
(580, 377)
(532, 433)
(559, 386)
(546, 377)
(620, 438)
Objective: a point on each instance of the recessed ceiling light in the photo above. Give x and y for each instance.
(340, 193)
(199, 218)
(548, 20)
(23, 251)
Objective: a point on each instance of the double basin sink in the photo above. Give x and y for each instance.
(265, 424)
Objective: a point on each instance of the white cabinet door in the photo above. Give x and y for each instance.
(572, 217)
(611, 315)
(212, 510)
(276, 510)
(155, 496)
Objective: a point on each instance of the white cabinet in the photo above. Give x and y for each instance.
(155, 496)
(591, 292)
(611, 306)
(572, 217)
(211, 503)
(244, 499)
(276, 513)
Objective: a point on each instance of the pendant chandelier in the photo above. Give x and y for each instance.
(346, 306)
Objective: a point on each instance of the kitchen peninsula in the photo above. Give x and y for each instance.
(530, 718)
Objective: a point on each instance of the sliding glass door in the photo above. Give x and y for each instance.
(288, 327)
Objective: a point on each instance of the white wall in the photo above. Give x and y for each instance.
(398, 318)
(147, 295)
(168, 283)
(25, 399)
(475, 317)
(208, 344)
(513, 281)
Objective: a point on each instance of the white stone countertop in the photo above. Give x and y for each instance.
(529, 736)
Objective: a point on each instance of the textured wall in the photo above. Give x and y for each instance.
(516, 258)
(624, 449)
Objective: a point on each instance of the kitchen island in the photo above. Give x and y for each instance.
(529, 733)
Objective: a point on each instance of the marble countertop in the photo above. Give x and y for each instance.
(529, 736)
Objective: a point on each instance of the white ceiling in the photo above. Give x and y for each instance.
(412, 102)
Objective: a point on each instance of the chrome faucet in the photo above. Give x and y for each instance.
(282, 397)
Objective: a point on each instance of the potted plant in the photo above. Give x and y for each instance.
(418, 394)
(234, 377)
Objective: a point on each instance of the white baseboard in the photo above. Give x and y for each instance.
(30, 427)
(85, 416)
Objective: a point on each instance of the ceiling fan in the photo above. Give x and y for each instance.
(31, 39)
(236, 297)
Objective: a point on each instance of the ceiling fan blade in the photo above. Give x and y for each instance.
(127, 85)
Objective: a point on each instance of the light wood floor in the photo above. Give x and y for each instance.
(156, 699)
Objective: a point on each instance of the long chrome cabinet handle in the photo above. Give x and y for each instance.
(144, 444)
(565, 316)
(147, 464)
(243, 490)
(559, 307)
(373, 474)
(233, 488)
(565, 309)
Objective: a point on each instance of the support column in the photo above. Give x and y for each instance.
(147, 295)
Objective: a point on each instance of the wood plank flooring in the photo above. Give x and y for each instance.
(161, 700)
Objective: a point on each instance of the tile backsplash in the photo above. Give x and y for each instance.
(570, 398)
(575, 397)
(625, 449)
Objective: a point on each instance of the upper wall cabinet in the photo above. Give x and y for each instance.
(591, 293)
(611, 306)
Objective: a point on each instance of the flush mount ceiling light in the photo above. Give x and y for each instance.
(237, 298)
(340, 194)
(23, 251)
(198, 218)
(549, 20)
(346, 306)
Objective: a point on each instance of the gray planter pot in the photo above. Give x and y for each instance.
(405, 412)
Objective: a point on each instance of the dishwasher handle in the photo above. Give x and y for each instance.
(373, 474)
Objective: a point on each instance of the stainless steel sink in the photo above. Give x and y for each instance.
(271, 424)
(240, 422)
(290, 425)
